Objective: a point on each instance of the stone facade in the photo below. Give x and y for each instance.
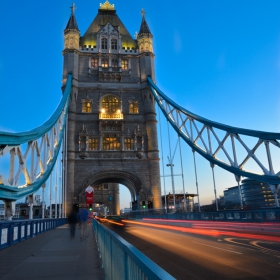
(112, 126)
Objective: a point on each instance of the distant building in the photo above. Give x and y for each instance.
(47, 211)
(24, 208)
(179, 201)
(257, 194)
(212, 207)
(125, 211)
(221, 202)
(232, 199)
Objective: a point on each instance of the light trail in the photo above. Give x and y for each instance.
(209, 223)
(215, 233)
(218, 248)
(113, 222)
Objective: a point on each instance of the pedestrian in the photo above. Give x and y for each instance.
(83, 217)
(72, 220)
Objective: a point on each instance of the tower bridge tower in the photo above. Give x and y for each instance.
(112, 127)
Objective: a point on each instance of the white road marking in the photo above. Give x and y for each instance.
(218, 248)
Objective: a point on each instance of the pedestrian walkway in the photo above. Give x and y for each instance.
(53, 255)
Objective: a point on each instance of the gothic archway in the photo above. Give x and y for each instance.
(132, 182)
(114, 176)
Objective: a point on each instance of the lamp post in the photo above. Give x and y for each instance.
(170, 164)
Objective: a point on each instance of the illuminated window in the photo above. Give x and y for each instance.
(93, 144)
(98, 188)
(86, 106)
(124, 64)
(114, 62)
(104, 43)
(128, 144)
(114, 44)
(94, 63)
(104, 62)
(110, 104)
(111, 142)
(133, 108)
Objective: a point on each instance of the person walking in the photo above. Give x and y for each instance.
(83, 217)
(72, 220)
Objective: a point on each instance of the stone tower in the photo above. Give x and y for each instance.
(112, 127)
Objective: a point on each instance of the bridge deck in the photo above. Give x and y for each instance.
(53, 255)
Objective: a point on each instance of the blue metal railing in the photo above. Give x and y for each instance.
(259, 216)
(122, 261)
(13, 232)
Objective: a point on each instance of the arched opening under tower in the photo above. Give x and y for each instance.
(107, 191)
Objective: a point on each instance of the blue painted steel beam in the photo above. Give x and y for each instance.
(15, 139)
(271, 179)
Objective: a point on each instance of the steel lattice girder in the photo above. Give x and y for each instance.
(193, 128)
(36, 150)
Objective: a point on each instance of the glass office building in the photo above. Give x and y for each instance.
(256, 194)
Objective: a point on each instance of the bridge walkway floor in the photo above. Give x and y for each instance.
(53, 255)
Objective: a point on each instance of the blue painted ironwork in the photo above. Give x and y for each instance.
(252, 216)
(13, 232)
(186, 125)
(56, 126)
(121, 260)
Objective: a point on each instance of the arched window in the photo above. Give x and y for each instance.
(104, 62)
(128, 144)
(111, 141)
(133, 107)
(114, 44)
(114, 63)
(94, 62)
(110, 104)
(86, 106)
(124, 64)
(93, 144)
(104, 43)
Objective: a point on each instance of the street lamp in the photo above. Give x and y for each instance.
(170, 164)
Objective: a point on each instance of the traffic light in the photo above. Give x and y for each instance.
(90, 207)
(143, 204)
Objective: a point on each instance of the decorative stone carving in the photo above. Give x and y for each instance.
(139, 141)
(83, 138)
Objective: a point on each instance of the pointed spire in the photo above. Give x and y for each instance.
(144, 28)
(72, 24)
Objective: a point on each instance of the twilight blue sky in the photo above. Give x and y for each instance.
(218, 59)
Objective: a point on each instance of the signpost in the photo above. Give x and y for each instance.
(89, 197)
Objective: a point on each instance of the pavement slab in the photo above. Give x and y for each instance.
(53, 255)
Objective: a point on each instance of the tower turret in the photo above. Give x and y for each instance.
(145, 37)
(71, 32)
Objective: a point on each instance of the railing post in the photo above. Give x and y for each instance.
(126, 268)
(30, 201)
(43, 200)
